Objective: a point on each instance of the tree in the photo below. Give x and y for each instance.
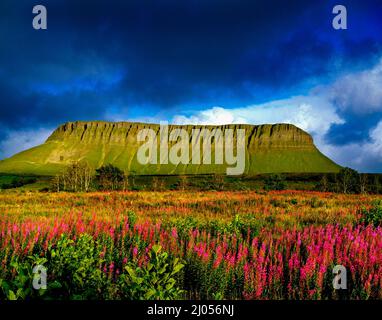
(348, 180)
(132, 179)
(376, 185)
(183, 183)
(275, 182)
(363, 181)
(323, 185)
(76, 177)
(109, 177)
(56, 182)
(125, 182)
(157, 184)
(218, 181)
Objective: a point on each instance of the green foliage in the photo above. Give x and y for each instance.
(74, 267)
(20, 287)
(17, 182)
(109, 177)
(323, 184)
(132, 218)
(77, 176)
(242, 225)
(316, 202)
(373, 215)
(348, 180)
(75, 272)
(275, 182)
(157, 184)
(376, 185)
(278, 203)
(153, 281)
(240, 186)
(219, 182)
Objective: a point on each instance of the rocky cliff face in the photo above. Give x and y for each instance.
(268, 148)
(277, 135)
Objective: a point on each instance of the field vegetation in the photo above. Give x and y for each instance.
(186, 244)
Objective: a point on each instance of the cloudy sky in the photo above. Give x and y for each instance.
(196, 61)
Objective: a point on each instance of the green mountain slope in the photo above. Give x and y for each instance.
(269, 148)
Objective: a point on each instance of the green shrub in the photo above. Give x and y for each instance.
(372, 216)
(20, 286)
(275, 182)
(316, 203)
(132, 218)
(74, 269)
(277, 203)
(153, 281)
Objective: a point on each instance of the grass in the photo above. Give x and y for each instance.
(291, 208)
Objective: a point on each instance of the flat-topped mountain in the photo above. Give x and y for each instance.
(268, 149)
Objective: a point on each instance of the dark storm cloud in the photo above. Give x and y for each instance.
(356, 129)
(170, 53)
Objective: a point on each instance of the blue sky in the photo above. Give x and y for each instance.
(211, 61)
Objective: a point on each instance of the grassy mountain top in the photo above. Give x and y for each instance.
(269, 148)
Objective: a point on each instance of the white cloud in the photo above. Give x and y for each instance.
(213, 116)
(310, 113)
(358, 92)
(17, 141)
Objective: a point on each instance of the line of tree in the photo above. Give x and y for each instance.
(348, 180)
(81, 177)
(18, 182)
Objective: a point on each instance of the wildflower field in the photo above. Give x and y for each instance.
(190, 245)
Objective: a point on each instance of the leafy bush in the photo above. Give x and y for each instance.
(316, 203)
(277, 203)
(275, 182)
(132, 218)
(373, 215)
(153, 281)
(293, 201)
(74, 268)
(20, 287)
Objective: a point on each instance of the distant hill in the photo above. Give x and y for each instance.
(278, 148)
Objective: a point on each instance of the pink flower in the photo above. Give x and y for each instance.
(135, 252)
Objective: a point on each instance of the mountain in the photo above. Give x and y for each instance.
(268, 149)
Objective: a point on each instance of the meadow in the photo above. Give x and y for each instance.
(190, 245)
